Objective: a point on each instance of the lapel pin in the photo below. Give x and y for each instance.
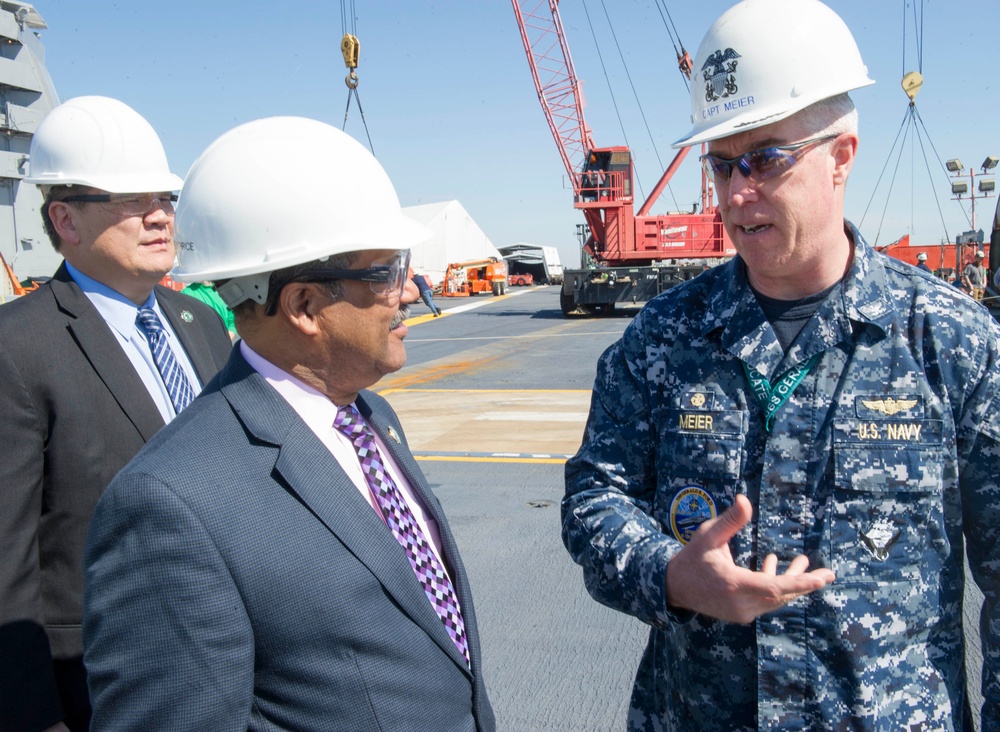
(186, 316)
(393, 435)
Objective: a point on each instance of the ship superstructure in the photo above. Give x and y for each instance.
(26, 96)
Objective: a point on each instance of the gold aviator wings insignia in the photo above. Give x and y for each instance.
(889, 406)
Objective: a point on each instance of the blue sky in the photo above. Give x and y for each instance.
(452, 111)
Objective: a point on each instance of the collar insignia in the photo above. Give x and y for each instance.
(186, 316)
(880, 538)
(393, 435)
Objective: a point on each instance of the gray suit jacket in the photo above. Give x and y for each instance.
(236, 579)
(73, 412)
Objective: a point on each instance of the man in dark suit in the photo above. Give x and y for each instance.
(274, 558)
(80, 387)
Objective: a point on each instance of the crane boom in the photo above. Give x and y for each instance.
(555, 78)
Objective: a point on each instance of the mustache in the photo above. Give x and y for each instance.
(402, 314)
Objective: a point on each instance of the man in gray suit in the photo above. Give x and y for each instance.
(81, 387)
(274, 558)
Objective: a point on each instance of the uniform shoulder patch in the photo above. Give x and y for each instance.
(691, 507)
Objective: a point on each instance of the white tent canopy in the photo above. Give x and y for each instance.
(457, 238)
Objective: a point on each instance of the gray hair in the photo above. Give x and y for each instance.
(832, 116)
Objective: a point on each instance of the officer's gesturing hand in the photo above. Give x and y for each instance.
(703, 577)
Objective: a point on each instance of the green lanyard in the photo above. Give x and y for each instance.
(772, 398)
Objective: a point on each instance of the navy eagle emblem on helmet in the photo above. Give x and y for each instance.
(719, 73)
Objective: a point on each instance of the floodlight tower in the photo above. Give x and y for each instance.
(960, 188)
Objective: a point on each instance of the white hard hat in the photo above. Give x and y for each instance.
(101, 143)
(765, 60)
(980, 253)
(922, 257)
(278, 192)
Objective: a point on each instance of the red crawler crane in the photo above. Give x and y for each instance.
(631, 248)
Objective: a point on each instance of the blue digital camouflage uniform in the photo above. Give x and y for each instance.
(886, 453)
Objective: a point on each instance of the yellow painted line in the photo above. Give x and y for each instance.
(488, 459)
(471, 303)
(424, 374)
(394, 389)
(418, 319)
(530, 336)
(521, 415)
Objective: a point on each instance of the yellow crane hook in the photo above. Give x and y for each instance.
(911, 84)
(350, 46)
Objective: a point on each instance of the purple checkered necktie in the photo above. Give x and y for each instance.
(397, 515)
(174, 378)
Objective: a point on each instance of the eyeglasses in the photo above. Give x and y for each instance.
(762, 163)
(132, 204)
(385, 280)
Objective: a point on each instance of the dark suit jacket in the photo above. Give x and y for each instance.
(236, 579)
(73, 412)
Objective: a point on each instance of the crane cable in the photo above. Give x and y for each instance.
(607, 78)
(918, 34)
(911, 84)
(918, 30)
(350, 47)
(684, 62)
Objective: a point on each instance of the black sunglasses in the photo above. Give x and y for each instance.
(762, 163)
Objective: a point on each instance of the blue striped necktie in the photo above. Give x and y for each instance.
(174, 378)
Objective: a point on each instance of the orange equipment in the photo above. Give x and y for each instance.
(9, 285)
(478, 275)
(945, 259)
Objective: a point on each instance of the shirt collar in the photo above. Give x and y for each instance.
(734, 314)
(117, 310)
(315, 408)
(864, 292)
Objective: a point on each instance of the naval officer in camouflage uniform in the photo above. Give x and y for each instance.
(786, 456)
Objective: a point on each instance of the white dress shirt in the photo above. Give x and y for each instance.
(318, 412)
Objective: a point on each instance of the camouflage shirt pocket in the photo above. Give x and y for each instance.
(699, 464)
(704, 445)
(886, 510)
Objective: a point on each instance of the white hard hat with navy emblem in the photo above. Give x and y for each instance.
(765, 60)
